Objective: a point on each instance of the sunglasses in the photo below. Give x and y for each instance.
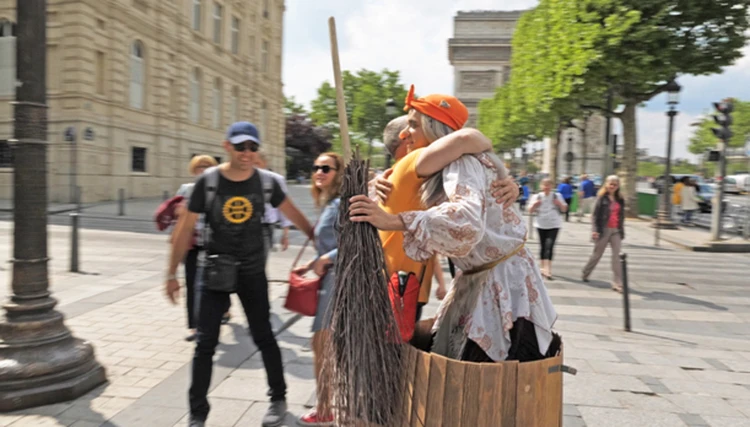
(252, 146)
(324, 168)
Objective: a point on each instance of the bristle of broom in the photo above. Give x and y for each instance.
(363, 362)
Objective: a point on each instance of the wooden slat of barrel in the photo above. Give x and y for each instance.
(539, 393)
(454, 393)
(410, 370)
(472, 394)
(436, 391)
(421, 383)
(497, 395)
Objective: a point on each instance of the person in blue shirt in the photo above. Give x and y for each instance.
(566, 191)
(525, 193)
(586, 196)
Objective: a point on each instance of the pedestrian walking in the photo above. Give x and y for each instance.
(608, 229)
(548, 206)
(525, 193)
(326, 188)
(586, 196)
(566, 191)
(194, 258)
(689, 200)
(232, 198)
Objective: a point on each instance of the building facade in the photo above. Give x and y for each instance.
(135, 88)
(587, 147)
(480, 53)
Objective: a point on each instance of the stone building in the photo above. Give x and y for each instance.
(480, 54)
(587, 148)
(137, 87)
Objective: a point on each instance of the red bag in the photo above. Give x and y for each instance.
(403, 290)
(302, 297)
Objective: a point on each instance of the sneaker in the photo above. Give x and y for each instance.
(312, 419)
(275, 414)
(195, 422)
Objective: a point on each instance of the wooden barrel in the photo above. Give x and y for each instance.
(451, 393)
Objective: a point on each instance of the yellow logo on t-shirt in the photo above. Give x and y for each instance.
(237, 210)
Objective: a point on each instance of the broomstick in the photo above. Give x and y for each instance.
(363, 361)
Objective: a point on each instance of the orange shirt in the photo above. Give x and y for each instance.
(404, 198)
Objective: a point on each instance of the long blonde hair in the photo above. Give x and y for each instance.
(335, 190)
(604, 190)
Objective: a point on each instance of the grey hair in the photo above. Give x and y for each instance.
(432, 192)
(391, 137)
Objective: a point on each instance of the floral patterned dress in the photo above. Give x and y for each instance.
(476, 232)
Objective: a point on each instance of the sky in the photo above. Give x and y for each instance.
(412, 37)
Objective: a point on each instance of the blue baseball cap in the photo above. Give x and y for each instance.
(240, 132)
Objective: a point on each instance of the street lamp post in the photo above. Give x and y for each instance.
(390, 110)
(664, 215)
(40, 360)
(569, 156)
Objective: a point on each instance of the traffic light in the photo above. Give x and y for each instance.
(723, 119)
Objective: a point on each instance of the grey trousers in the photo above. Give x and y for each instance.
(611, 236)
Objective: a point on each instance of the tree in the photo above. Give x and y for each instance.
(304, 142)
(291, 106)
(365, 93)
(703, 139)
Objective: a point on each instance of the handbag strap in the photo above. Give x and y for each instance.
(304, 246)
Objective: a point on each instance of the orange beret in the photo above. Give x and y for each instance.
(443, 108)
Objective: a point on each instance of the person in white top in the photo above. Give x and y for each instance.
(689, 204)
(548, 206)
(272, 216)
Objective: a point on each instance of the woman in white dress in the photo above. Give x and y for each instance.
(498, 307)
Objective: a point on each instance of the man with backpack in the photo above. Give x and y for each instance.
(232, 197)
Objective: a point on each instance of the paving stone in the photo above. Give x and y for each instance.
(703, 405)
(571, 410)
(741, 405)
(569, 421)
(625, 357)
(717, 364)
(715, 421)
(693, 420)
(147, 415)
(610, 417)
(638, 370)
(647, 402)
(706, 388)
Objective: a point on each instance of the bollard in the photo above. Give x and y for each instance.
(625, 291)
(74, 218)
(121, 201)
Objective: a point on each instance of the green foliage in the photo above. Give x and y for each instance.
(291, 106)
(366, 94)
(703, 139)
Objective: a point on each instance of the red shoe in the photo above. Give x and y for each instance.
(312, 419)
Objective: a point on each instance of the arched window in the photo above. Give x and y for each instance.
(137, 75)
(195, 95)
(234, 105)
(217, 104)
(7, 58)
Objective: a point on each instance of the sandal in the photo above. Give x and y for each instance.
(225, 318)
(617, 288)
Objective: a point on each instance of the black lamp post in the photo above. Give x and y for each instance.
(390, 110)
(665, 211)
(569, 155)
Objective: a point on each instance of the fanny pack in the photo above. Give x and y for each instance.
(221, 273)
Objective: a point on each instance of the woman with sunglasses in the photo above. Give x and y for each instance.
(326, 187)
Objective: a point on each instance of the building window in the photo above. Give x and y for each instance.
(172, 96)
(234, 105)
(6, 155)
(217, 103)
(197, 9)
(235, 35)
(7, 58)
(137, 75)
(138, 163)
(195, 96)
(264, 57)
(252, 47)
(266, 9)
(100, 73)
(54, 72)
(218, 12)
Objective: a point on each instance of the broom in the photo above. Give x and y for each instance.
(363, 361)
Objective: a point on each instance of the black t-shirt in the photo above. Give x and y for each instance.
(235, 217)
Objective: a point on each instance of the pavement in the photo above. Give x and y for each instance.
(686, 363)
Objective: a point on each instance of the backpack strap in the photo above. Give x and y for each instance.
(267, 181)
(210, 188)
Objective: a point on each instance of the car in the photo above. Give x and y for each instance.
(706, 194)
(730, 185)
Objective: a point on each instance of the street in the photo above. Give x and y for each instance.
(686, 363)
